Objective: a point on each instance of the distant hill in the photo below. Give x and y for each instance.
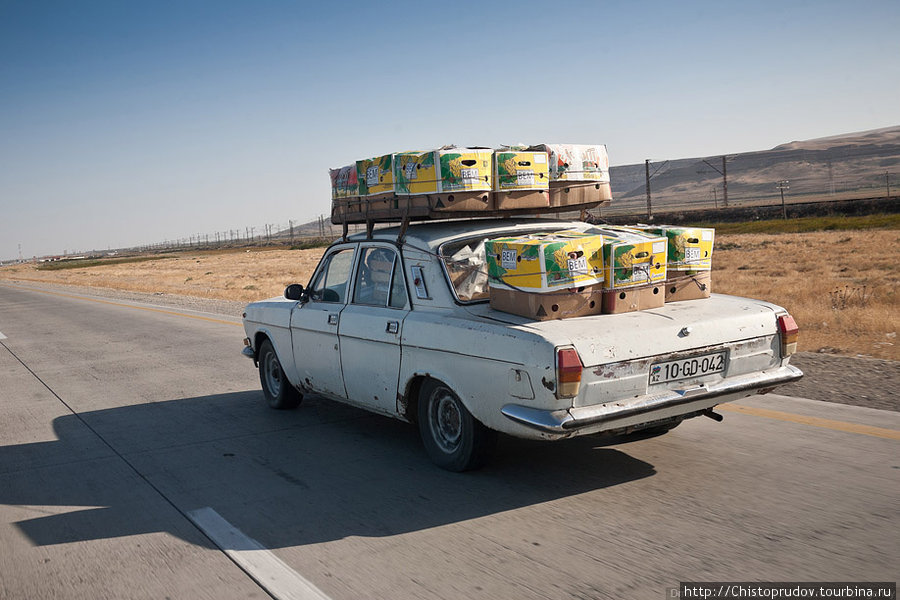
(840, 167)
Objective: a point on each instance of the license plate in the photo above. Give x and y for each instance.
(687, 368)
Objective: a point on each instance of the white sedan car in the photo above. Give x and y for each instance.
(398, 322)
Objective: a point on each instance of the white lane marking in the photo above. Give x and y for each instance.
(266, 569)
(2, 337)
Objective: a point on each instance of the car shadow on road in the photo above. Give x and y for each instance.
(320, 473)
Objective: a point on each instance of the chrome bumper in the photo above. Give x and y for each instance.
(599, 417)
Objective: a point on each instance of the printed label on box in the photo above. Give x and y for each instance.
(469, 176)
(372, 174)
(508, 259)
(577, 266)
(692, 255)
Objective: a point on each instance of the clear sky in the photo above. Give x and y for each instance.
(131, 122)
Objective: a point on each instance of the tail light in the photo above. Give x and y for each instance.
(790, 333)
(568, 372)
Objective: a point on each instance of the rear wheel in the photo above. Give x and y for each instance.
(453, 438)
(276, 388)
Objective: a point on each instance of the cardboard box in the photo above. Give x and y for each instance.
(461, 202)
(686, 285)
(577, 162)
(571, 193)
(344, 182)
(631, 258)
(520, 170)
(522, 199)
(561, 304)
(631, 299)
(689, 248)
(544, 262)
(447, 170)
(376, 176)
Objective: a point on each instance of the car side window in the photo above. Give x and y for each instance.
(379, 279)
(330, 284)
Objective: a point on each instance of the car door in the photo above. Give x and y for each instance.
(314, 324)
(371, 328)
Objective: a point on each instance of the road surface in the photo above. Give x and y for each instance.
(138, 460)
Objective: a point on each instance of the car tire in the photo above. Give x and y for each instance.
(453, 438)
(279, 392)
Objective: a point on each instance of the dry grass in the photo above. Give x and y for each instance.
(840, 286)
(800, 271)
(239, 275)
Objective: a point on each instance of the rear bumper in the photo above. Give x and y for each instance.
(651, 407)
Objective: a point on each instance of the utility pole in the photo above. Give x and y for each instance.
(647, 173)
(724, 182)
(724, 173)
(783, 185)
(291, 225)
(887, 182)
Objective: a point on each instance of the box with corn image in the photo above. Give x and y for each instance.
(451, 178)
(545, 262)
(631, 258)
(521, 179)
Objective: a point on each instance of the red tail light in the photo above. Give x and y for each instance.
(568, 372)
(790, 333)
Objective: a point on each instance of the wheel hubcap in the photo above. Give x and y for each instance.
(446, 422)
(273, 374)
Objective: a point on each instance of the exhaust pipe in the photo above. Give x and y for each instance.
(713, 415)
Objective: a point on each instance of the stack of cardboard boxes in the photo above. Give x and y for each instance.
(602, 270)
(552, 275)
(470, 180)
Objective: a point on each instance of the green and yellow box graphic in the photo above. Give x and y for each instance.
(376, 175)
(516, 170)
(689, 248)
(442, 171)
(632, 258)
(545, 262)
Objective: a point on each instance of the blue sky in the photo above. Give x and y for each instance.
(126, 122)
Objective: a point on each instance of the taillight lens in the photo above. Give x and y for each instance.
(790, 333)
(568, 373)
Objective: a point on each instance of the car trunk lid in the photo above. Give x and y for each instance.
(675, 327)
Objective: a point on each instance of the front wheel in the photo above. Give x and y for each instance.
(453, 438)
(276, 388)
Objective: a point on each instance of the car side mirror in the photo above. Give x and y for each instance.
(296, 292)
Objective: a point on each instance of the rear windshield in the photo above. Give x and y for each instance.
(466, 266)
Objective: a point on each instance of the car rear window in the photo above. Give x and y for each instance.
(466, 265)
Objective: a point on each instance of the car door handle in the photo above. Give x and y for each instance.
(332, 319)
(393, 327)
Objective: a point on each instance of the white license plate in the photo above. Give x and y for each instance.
(686, 368)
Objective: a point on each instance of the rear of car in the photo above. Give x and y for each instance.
(649, 368)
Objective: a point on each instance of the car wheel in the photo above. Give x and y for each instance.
(453, 438)
(276, 388)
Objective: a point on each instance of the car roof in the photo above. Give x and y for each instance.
(432, 234)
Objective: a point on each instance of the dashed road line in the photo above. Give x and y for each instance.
(2, 337)
(266, 569)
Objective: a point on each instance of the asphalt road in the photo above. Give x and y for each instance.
(138, 460)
